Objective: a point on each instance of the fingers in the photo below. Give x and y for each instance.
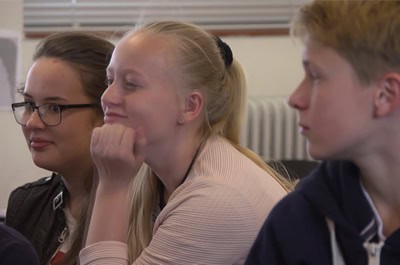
(112, 140)
(112, 150)
(127, 139)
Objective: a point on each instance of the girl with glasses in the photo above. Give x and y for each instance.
(60, 108)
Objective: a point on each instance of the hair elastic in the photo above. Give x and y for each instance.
(225, 50)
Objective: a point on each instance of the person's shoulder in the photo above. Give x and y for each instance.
(15, 248)
(292, 204)
(10, 235)
(208, 195)
(32, 196)
(295, 214)
(208, 188)
(293, 211)
(43, 182)
(293, 233)
(38, 187)
(221, 211)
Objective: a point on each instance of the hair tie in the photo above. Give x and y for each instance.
(226, 51)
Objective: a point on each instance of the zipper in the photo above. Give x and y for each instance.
(374, 252)
(60, 240)
(63, 235)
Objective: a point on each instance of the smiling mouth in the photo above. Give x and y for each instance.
(39, 144)
(112, 117)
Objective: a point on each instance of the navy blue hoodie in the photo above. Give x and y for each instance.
(296, 230)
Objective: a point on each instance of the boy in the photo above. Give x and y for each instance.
(347, 211)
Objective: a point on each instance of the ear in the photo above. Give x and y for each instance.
(194, 103)
(387, 97)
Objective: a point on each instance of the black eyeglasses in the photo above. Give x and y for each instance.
(49, 113)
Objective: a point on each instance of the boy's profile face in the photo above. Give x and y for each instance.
(335, 109)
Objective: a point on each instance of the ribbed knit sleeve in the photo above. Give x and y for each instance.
(105, 253)
(212, 218)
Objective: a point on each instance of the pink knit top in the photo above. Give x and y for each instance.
(212, 218)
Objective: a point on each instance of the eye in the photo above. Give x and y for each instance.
(314, 77)
(52, 108)
(131, 85)
(109, 81)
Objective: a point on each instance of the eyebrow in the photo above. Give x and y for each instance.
(45, 99)
(128, 71)
(309, 65)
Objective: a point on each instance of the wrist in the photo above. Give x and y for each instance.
(110, 189)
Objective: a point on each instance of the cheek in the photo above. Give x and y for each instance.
(26, 133)
(77, 137)
(324, 123)
(138, 115)
(97, 120)
(80, 125)
(152, 119)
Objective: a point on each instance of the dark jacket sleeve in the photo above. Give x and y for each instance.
(15, 202)
(265, 250)
(31, 212)
(28, 200)
(15, 249)
(294, 233)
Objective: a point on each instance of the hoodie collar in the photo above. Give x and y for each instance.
(334, 190)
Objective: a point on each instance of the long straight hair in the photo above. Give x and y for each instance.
(224, 89)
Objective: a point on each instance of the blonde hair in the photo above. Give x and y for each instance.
(224, 88)
(364, 32)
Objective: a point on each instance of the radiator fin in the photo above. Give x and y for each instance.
(271, 130)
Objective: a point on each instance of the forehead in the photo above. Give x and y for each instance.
(52, 77)
(314, 48)
(145, 51)
(317, 53)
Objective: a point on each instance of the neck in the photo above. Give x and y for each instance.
(77, 186)
(173, 168)
(381, 180)
(165, 194)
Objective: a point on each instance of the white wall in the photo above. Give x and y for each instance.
(16, 166)
(272, 65)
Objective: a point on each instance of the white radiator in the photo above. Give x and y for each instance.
(271, 130)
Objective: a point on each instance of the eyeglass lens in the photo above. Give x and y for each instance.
(48, 113)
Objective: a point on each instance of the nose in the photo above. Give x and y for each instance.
(111, 96)
(35, 121)
(299, 99)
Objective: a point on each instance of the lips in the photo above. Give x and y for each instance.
(303, 128)
(39, 143)
(111, 117)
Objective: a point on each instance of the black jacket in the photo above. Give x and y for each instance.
(296, 231)
(36, 211)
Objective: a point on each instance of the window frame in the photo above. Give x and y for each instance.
(222, 17)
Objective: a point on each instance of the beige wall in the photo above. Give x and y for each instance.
(272, 65)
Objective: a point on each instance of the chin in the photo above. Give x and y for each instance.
(43, 162)
(317, 154)
(324, 155)
(45, 166)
